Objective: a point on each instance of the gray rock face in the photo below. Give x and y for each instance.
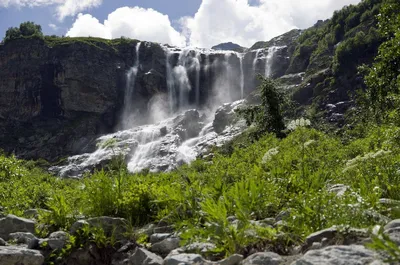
(11, 224)
(21, 237)
(263, 258)
(142, 256)
(340, 255)
(225, 116)
(20, 256)
(166, 246)
(57, 240)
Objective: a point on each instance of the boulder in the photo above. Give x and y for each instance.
(77, 226)
(2, 242)
(20, 256)
(21, 237)
(111, 226)
(11, 224)
(57, 240)
(263, 258)
(185, 259)
(166, 246)
(155, 238)
(317, 237)
(142, 256)
(340, 255)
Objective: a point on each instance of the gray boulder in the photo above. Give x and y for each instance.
(340, 255)
(20, 256)
(155, 238)
(263, 258)
(57, 240)
(11, 224)
(318, 236)
(142, 256)
(166, 246)
(185, 259)
(77, 226)
(21, 237)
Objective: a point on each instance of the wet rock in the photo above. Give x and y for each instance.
(225, 115)
(263, 258)
(166, 246)
(142, 256)
(21, 237)
(57, 240)
(11, 224)
(340, 255)
(12, 255)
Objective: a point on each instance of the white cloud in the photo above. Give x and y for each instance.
(53, 26)
(219, 21)
(136, 22)
(64, 8)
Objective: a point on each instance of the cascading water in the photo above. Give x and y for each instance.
(127, 113)
(241, 76)
(269, 59)
(255, 61)
(191, 74)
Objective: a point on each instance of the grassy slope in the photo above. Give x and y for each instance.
(251, 183)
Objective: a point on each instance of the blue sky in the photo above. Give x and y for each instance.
(201, 23)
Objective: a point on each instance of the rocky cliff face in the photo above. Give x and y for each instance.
(56, 98)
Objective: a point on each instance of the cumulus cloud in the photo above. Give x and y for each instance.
(219, 21)
(64, 8)
(136, 22)
(53, 26)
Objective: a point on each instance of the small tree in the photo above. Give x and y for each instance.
(25, 29)
(267, 116)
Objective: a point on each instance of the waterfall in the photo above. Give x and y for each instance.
(269, 60)
(197, 63)
(127, 116)
(241, 75)
(255, 62)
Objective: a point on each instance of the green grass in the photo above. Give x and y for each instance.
(251, 182)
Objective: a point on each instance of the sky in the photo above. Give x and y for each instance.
(200, 23)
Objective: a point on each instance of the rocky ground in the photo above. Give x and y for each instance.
(19, 245)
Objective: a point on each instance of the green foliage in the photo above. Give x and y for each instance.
(268, 116)
(383, 77)
(26, 29)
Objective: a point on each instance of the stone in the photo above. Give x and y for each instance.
(11, 224)
(34, 244)
(20, 256)
(77, 226)
(142, 256)
(166, 246)
(184, 259)
(328, 233)
(232, 260)
(2, 242)
(21, 237)
(155, 238)
(340, 255)
(163, 229)
(199, 247)
(112, 226)
(263, 258)
(57, 240)
(392, 224)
